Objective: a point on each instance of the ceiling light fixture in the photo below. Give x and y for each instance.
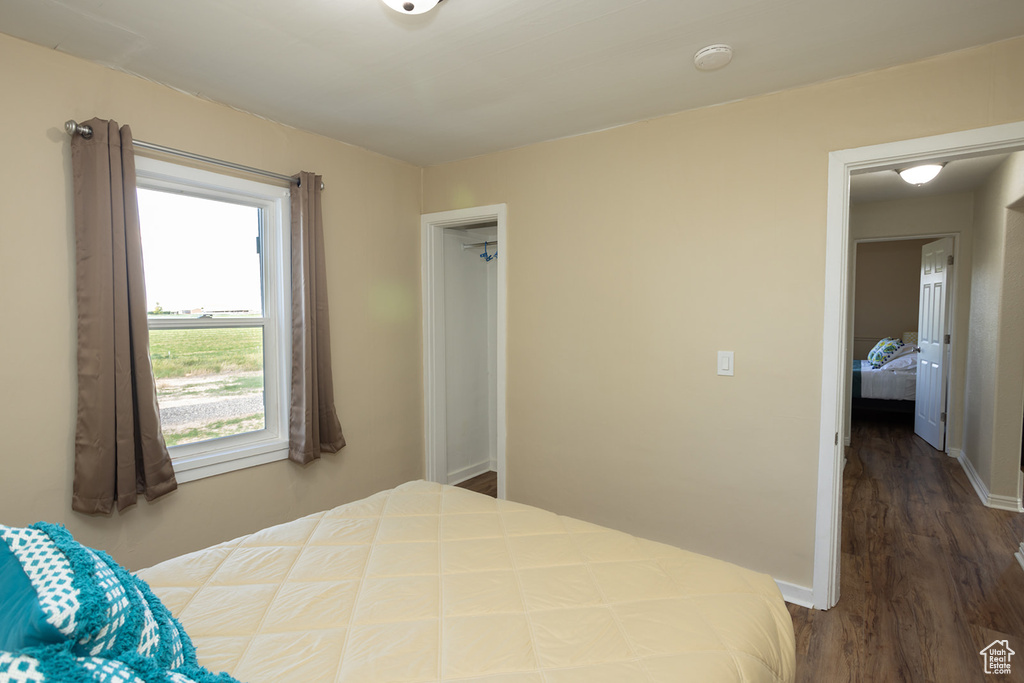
(412, 6)
(919, 175)
(712, 57)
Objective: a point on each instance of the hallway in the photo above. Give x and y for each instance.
(928, 572)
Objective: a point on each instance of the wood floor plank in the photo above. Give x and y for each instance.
(486, 483)
(928, 576)
(925, 606)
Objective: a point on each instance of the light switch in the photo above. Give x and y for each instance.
(725, 363)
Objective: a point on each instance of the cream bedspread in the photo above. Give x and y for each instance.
(434, 583)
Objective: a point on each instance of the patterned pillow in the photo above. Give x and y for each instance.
(60, 599)
(883, 351)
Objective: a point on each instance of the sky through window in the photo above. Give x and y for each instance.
(200, 254)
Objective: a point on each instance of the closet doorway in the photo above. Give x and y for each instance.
(464, 356)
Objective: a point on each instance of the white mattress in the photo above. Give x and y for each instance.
(897, 385)
(434, 583)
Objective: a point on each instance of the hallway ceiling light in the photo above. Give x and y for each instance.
(919, 175)
(412, 6)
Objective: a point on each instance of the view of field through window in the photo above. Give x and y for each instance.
(209, 382)
(202, 266)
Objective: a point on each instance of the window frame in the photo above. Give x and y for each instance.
(249, 449)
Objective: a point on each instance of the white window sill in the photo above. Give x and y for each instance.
(192, 467)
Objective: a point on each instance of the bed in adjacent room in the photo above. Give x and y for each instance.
(887, 380)
(426, 582)
(893, 384)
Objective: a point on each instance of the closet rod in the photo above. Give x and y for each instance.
(85, 131)
(480, 244)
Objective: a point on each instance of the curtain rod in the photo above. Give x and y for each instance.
(480, 244)
(72, 127)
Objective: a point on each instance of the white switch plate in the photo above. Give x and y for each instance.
(725, 363)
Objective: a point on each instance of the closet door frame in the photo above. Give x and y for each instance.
(432, 227)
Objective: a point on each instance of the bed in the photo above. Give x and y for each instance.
(884, 383)
(426, 582)
(887, 381)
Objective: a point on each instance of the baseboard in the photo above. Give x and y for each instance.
(467, 473)
(798, 595)
(846, 441)
(972, 476)
(954, 453)
(1008, 503)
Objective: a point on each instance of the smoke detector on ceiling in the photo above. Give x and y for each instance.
(712, 57)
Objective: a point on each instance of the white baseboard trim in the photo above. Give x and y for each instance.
(972, 476)
(467, 473)
(954, 453)
(798, 595)
(989, 499)
(1008, 503)
(846, 441)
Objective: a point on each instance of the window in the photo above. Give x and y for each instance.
(217, 295)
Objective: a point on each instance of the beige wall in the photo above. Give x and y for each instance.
(995, 366)
(635, 253)
(887, 290)
(371, 213)
(945, 214)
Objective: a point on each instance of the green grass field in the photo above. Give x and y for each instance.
(180, 353)
(214, 430)
(186, 359)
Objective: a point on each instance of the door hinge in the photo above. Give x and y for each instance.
(949, 260)
(942, 417)
(837, 438)
(946, 340)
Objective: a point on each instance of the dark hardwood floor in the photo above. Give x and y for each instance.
(486, 483)
(928, 575)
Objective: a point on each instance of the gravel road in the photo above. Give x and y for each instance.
(201, 411)
(197, 402)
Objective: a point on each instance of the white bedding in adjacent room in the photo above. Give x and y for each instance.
(426, 582)
(893, 384)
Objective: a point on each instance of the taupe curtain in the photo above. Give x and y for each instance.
(119, 448)
(313, 420)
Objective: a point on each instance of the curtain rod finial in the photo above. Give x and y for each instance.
(72, 127)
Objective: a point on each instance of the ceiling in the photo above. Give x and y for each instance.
(959, 175)
(477, 76)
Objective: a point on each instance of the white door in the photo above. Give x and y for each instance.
(932, 367)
